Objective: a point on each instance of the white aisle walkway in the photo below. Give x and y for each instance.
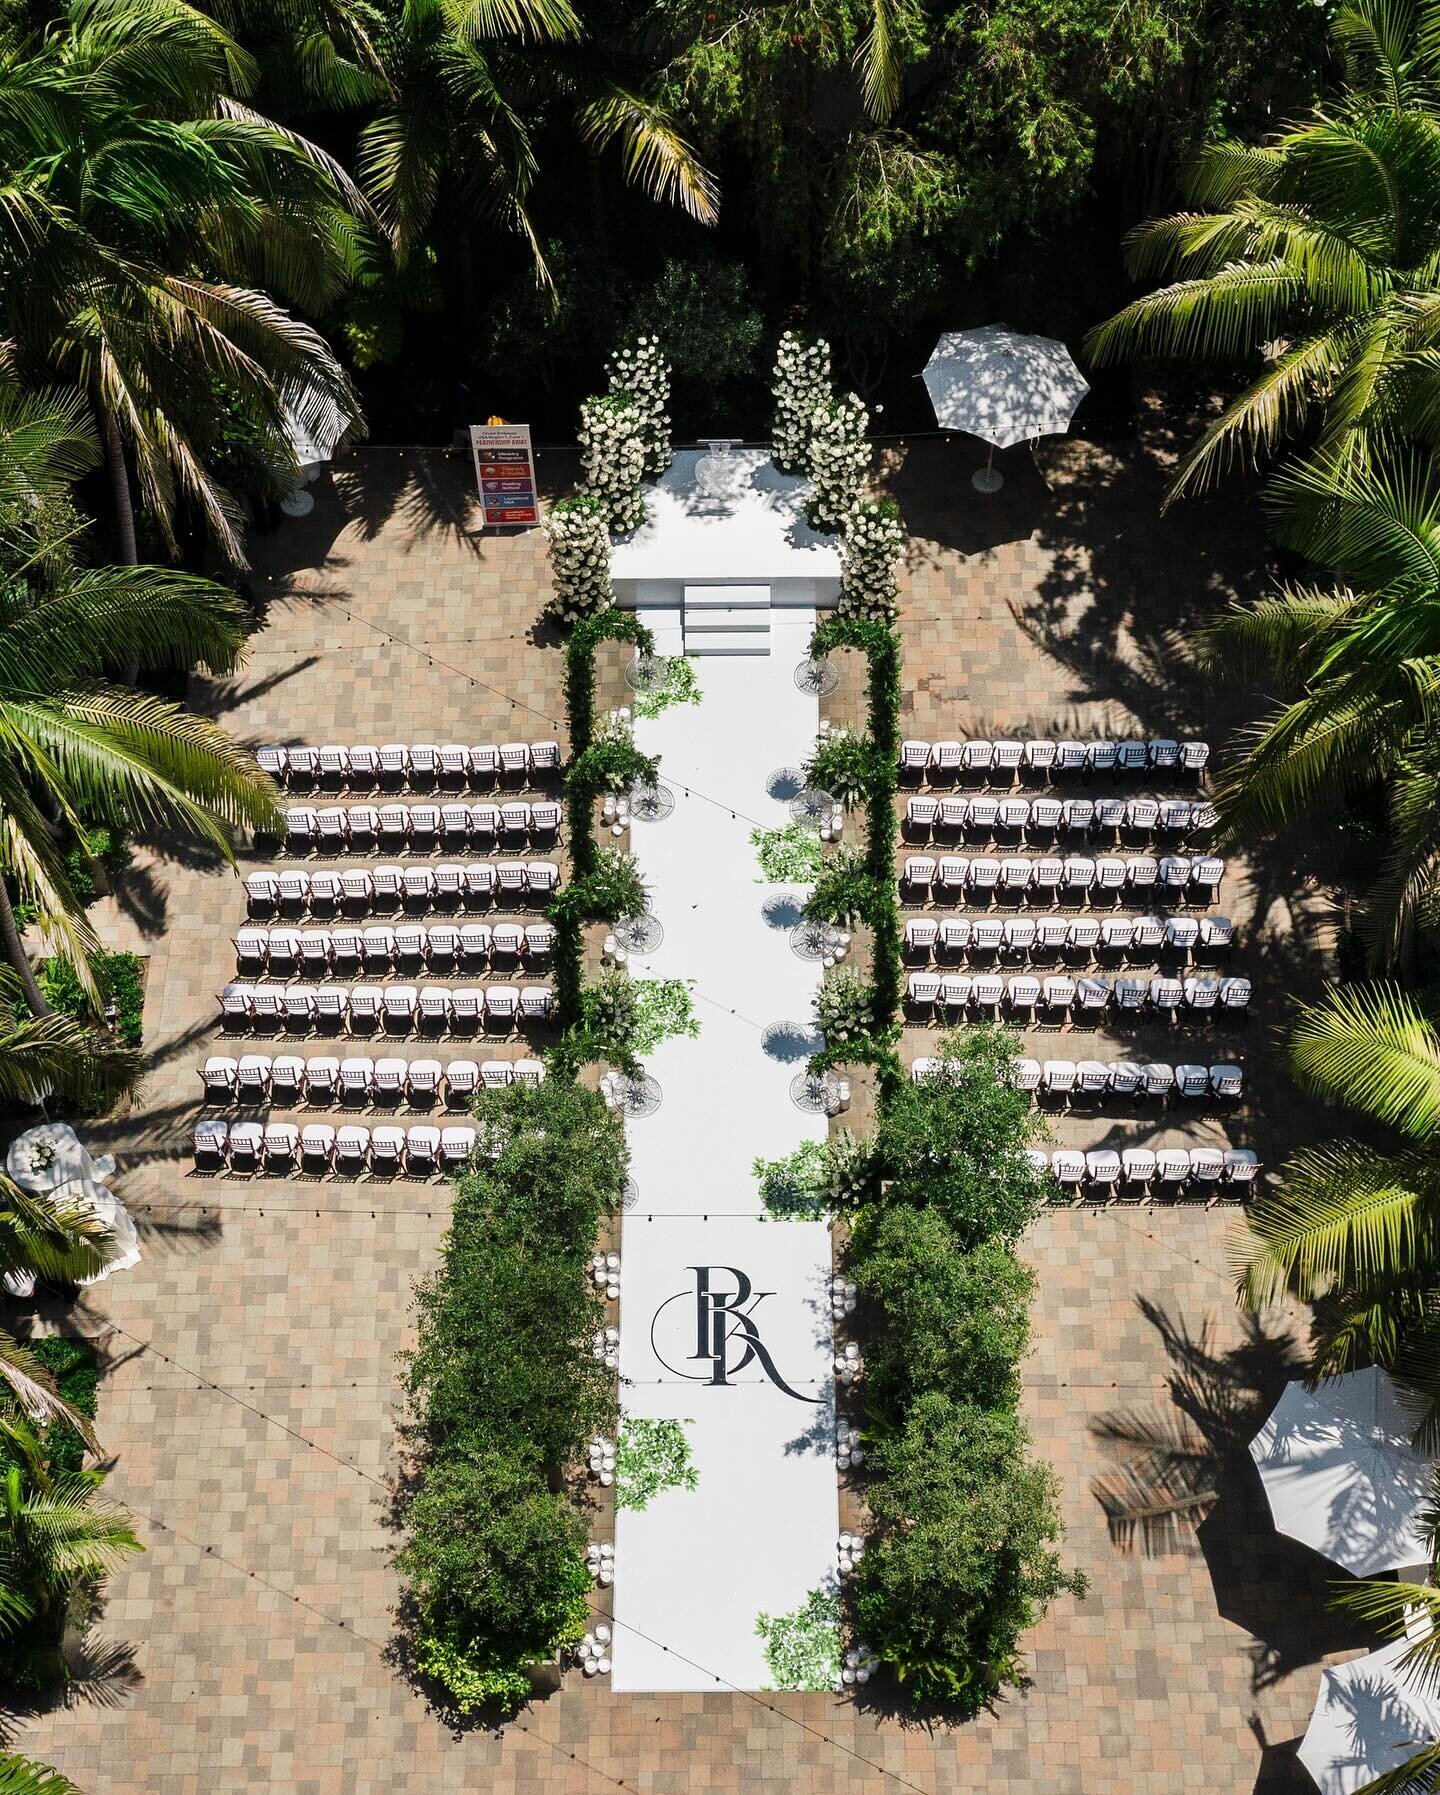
(725, 1315)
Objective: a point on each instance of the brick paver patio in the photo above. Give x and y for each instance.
(250, 1400)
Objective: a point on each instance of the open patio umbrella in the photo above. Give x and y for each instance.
(1340, 1474)
(1370, 1716)
(1002, 387)
(314, 425)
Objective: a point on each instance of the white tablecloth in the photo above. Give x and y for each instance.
(73, 1177)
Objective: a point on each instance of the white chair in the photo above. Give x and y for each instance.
(1175, 814)
(316, 947)
(1216, 931)
(919, 872)
(262, 892)
(418, 884)
(921, 814)
(1015, 874)
(449, 882)
(545, 817)
(982, 816)
(364, 759)
(1126, 1077)
(388, 1079)
(956, 990)
(392, 827)
(1164, 754)
(536, 1002)
(252, 1078)
(1166, 994)
(301, 761)
(1181, 933)
(989, 991)
(356, 886)
(442, 944)
(1092, 1077)
(914, 757)
(399, 1003)
(1070, 757)
(1093, 994)
(1132, 756)
(1079, 872)
(1025, 1074)
(1226, 1080)
(455, 822)
(1206, 874)
(287, 1078)
(283, 951)
(1037, 1159)
(954, 814)
(1058, 1076)
(987, 933)
(1020, 932)
(1149, 930)
(512, 880)
(1079, 814)
(434, 1002)
(976, 756)
(479, 882)
(1110, 873)
(1102, 1168)
(1059, 993)
(1202, 993)
(541, 878)
(325, 890)
(952, 873)
(1159, 1078)
(1174, 872)
(532, 1072)
(1082, 935)
(357, 1074)
(1110, 815)
(1117, 933)
(484, 761)
(1052, 933)
(424, 760)
(1194, 755)
(422, 1079)
(347, 947)
(1142, 814)
(322, 1078)
(921, 933)
(422, 1144)
(1242, 1164)
(317, 1144)
(293, 886)
(1102, 756)
(1046, 813)
(1137, 1165)
(331, 1004)
(1046, 874)
(280, 1143)
(411, 939)
(211, 1140)
(424, 824)
(475, 943)
(467, 1006)
(924, 1070)
(507, 941)
(1192, 1080)
(496, 1074)
(1203, 818)
(456, 1145)
(1207, 1164)
(1131, 994)
(501, 1004)
(274, 761)
(955, 934)
(300, 828)
(252, 948)
(1039, 755)
(1172, 1166)
(515, 758)
(1067, 1167)
(514, 821)
(1235, 994)
(352, 1148)
(922, 989)
(332, 830)
(247, 1139)
(387, 1147)
(217, 1075)
(1006, 756)
(984, 873)
(388, 884)
(394, 760)
(379, 945)
(268, 1003)
(484, 824)
(462, 1078)
(1142, 872)
(544, 757)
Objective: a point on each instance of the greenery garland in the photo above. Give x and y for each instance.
(802, 1648)
(651, 1456)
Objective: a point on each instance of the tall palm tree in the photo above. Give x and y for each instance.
(1316, 255)
(1358, 667)
(470, 81)
(148, 216)
(74, 747)
(1356, 1229)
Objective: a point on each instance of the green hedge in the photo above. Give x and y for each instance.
(504, 1393)
(121, 981)
(75, 1366)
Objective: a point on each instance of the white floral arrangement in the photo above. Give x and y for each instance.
(579, 536)
(839, 456)
(870, 551)
(801, 384)
(612, 457)
(640, 372)
(42, 1155)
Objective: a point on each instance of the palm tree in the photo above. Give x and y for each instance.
(1317, 253)
(148, 215)
(23, 1776)
(75, 748)
(1355, 1229)
(470, 80)
(55, 1533)
(1359, 666)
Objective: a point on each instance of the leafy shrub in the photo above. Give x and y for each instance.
(651, 1456)
(844, 765)
(622, 1019)
(845, 891)
(503, 1391)
(961, 1559)
(818, 1178)
(612, 889)
(75, 1366)
(802, 1648)
(788, 856)
(844, 1008)
(120, 978)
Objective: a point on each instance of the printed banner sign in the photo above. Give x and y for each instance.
(505, 474)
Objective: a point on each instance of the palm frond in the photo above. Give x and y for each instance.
(1370, 1046)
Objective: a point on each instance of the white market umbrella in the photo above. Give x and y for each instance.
(1004, 388)
(1370, 1716)
(1341, 1476)
(314, 425)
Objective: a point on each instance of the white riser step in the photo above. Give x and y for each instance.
(728, 642)
(728, 618)
(727, 598)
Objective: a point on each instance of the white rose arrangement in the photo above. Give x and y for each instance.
(801, 382)
(839, 456)
(578, 533)
(640, 371)
(870, 551)
(612, 457)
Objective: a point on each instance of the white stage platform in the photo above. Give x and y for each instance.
(696, 1568)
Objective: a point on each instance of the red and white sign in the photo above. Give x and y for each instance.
(505, 474)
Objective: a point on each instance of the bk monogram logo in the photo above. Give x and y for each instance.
(722, 1333)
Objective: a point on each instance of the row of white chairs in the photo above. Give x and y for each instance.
(342, 828)
(280, 1147)
(1046, 756)
(396, 1006)
(986, 817)
(257, 1078)
(1172, 1166)
(362, 763)
(478, 881)
(1059, 994)
(1138, 937)
(952, 875)
(318, 952)
(1103, 1078)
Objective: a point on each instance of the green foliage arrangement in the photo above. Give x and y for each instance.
(119, 980)
(844, 1009)
(681, 685)
(802, 1648)
(817, 1179)
(788, 856)
(846, 892)
(622, 1019)
(502, 1392)
(651, 1456)
(844, 765)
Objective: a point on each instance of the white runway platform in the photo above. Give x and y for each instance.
(695, 1569)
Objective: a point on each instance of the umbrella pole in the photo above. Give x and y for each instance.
(987, 478)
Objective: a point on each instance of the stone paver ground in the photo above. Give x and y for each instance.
(250, 1398)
